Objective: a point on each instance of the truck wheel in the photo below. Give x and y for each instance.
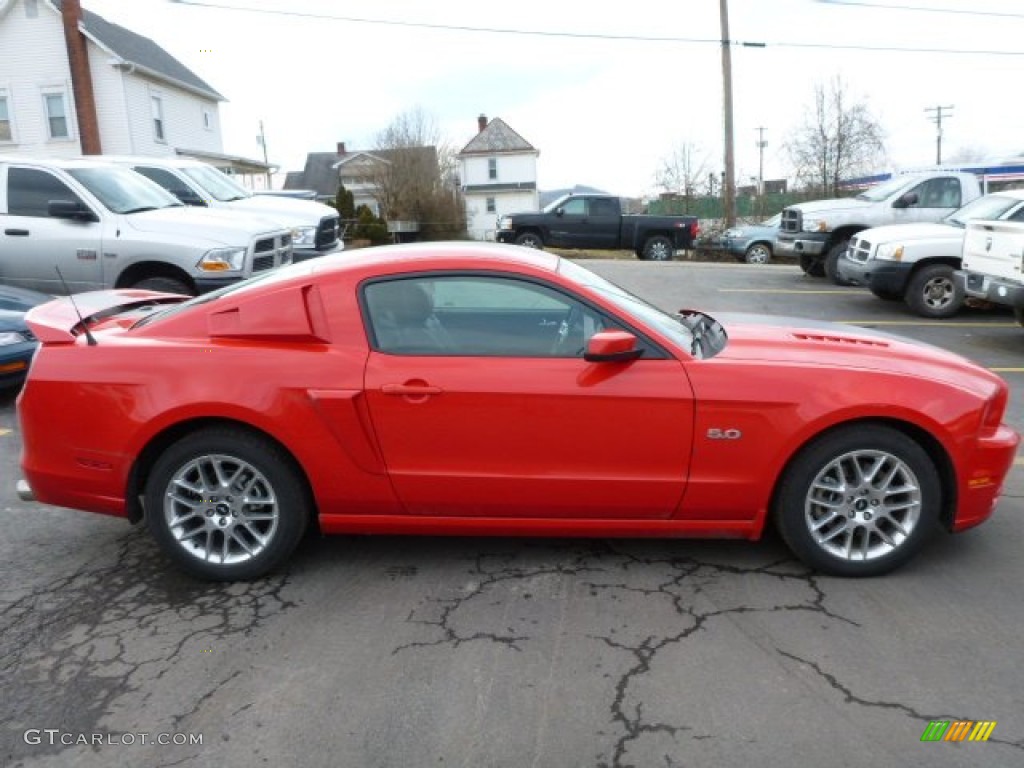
(165, 285)
(758, 253)
(832, 262)
(932, 292)
(530, 240)
(659, 248)
(811, 266)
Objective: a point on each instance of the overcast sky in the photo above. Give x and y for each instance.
(602, 111)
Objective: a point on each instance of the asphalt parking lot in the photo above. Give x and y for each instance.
(403, 651)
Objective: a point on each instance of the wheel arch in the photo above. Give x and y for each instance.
(162, 440)
(843, 233)
(140, 270)
(951, 261)
(931, 446)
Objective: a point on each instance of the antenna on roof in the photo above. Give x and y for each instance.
(88, 335)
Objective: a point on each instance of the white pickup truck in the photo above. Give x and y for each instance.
(915, 262)
(315, 226)
(818, 232)
(992, 264)
(106, 226)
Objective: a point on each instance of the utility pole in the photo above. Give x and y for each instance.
(729, 182)
(761, 144)
(262, 141)
(937, 119)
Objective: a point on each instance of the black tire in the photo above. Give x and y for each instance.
(758, 253)
(886, 295)
(165, 285)
(1018, 315)
(811, 266)
(932, 292)
(530, 240)
(818, 524)
(226, 532)
(659, 248)
(832, 262)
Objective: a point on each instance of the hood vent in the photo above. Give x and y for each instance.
(830, 339)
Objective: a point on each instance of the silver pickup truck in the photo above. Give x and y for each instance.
(106, 226)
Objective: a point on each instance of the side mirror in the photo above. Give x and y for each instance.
(612, 347)
(69, 209)
(905, 201)
(559, 211)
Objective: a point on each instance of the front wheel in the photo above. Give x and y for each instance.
(226, 504)
(832, 262)
(811, 266)
(758, 253)
(932, 292)
(859, 501)
(659, 248)
(530, 240)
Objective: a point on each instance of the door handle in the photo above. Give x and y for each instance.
(16, 232)
(410, 390)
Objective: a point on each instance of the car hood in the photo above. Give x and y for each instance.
(819, 343)
(294, 212)
(823, 206)
(907, 232)
(12, 320)
(222, 226)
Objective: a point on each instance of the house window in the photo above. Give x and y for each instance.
(56, 115)
(491, 208)
(492, 168)
(6, 130)
(157, 106)
(207, 119)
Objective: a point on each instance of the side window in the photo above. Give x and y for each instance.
(29, 192)
(491, 207)
(156, 104)
(6, 127)
(492, 168)
(477, 316)
(171, 183)
(938, 193)
(577, 206)
(56, 106)
(1017, 215)
(602, 206)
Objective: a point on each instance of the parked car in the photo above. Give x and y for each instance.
(17, 344)
(458, 388)
(315, 226)
(597, 222)
(752, 243)
(915, 262)
(991, 264)
(106, 226)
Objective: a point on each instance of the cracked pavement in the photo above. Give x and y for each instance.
(403, 651)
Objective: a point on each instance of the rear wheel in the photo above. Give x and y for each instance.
(758, 253)
(811, 265)
(932, 292)
(530, 240)
(659, 248)
(859, 501)
(226, 504)
(832, 261)
(165, 285)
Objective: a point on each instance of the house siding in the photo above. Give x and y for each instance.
(182, 115)
(516, 170)
(42, 63)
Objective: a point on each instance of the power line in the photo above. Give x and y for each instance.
(590, 35)
(925, 9)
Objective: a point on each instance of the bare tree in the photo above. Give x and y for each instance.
(683, 170)
(838, 140)
(416, 178)
(969, 154)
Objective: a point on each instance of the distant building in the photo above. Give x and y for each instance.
(498, 173)
(101, 89)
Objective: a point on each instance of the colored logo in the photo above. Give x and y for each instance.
(958, 730)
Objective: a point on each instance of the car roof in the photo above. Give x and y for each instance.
(89, 161)
(494, 254)
(166, 161)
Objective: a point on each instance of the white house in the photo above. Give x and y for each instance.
(104, 90)
(498, 171)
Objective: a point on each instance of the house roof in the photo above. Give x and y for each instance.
(322, 171)
(142, 53)
(496, 137)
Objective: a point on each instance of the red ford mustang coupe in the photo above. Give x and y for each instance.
(489, 389)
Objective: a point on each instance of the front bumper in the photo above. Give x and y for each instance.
(505, 236)
(982, 480)
(992, 289)
(800, 243)
(884, 276)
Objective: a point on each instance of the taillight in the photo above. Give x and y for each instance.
(694, 229)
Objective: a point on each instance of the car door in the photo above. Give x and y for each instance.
(568, 223)
(495, 413)
(601, 225)
(35, 243)
(936, 199)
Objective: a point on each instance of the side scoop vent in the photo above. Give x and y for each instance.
(823, 338)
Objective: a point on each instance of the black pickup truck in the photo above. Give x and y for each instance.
(597, 222)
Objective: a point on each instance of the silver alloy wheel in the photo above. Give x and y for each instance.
(939, 292)
(759, 253)
(863, 505)
(660, 249)
(221, 509)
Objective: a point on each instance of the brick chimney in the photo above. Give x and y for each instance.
(81, 79)
(341, 148)
(481, 122)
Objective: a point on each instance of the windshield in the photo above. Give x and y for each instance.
(122, 190)
(989, 207)
(633, 306)
(885, 190)
(216, 184)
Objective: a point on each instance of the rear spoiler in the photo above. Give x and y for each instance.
(55, 322)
